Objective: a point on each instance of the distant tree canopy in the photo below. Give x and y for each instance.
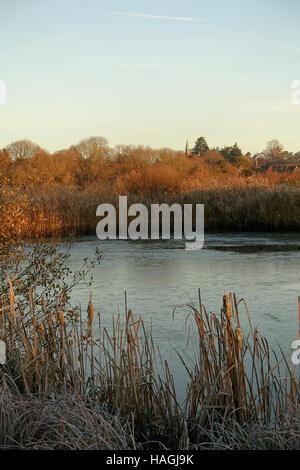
(230, 153)
(127, 168)
(213, 157)
(92, 147)
(200, 147)
(275, 153)
(23, 149)
(234, 155)
(243, 164)
(274, 150)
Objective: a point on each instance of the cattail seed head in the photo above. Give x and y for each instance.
(61, 318)
(227, 306)
(90, 311)
(239, 337)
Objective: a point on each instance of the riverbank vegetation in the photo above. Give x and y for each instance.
(69, 383)
(57, 194)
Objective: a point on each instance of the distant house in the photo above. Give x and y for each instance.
(262, 162)
(282, 167)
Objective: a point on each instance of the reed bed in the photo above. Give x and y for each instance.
(52, 195)
(68, 382)
(65, 211)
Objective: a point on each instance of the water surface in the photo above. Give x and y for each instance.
(160, 275)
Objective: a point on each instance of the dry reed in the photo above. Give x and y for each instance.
(235, 387)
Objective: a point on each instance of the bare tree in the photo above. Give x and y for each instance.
(92, 147)
(23, 149)
(274, 149)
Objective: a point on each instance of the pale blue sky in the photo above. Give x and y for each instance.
(150, 72)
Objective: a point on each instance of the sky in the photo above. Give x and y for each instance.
(150, 72)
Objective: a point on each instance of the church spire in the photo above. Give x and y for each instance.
(187, 149)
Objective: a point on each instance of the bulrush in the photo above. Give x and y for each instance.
(227, 306)
(61, 318)
(239, 337)
(44, 305)
(90, 311)
(122, 371)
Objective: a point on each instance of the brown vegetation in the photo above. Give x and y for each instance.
(68, 383)
(58, 193)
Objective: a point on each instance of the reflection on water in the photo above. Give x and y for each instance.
(159, 275)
